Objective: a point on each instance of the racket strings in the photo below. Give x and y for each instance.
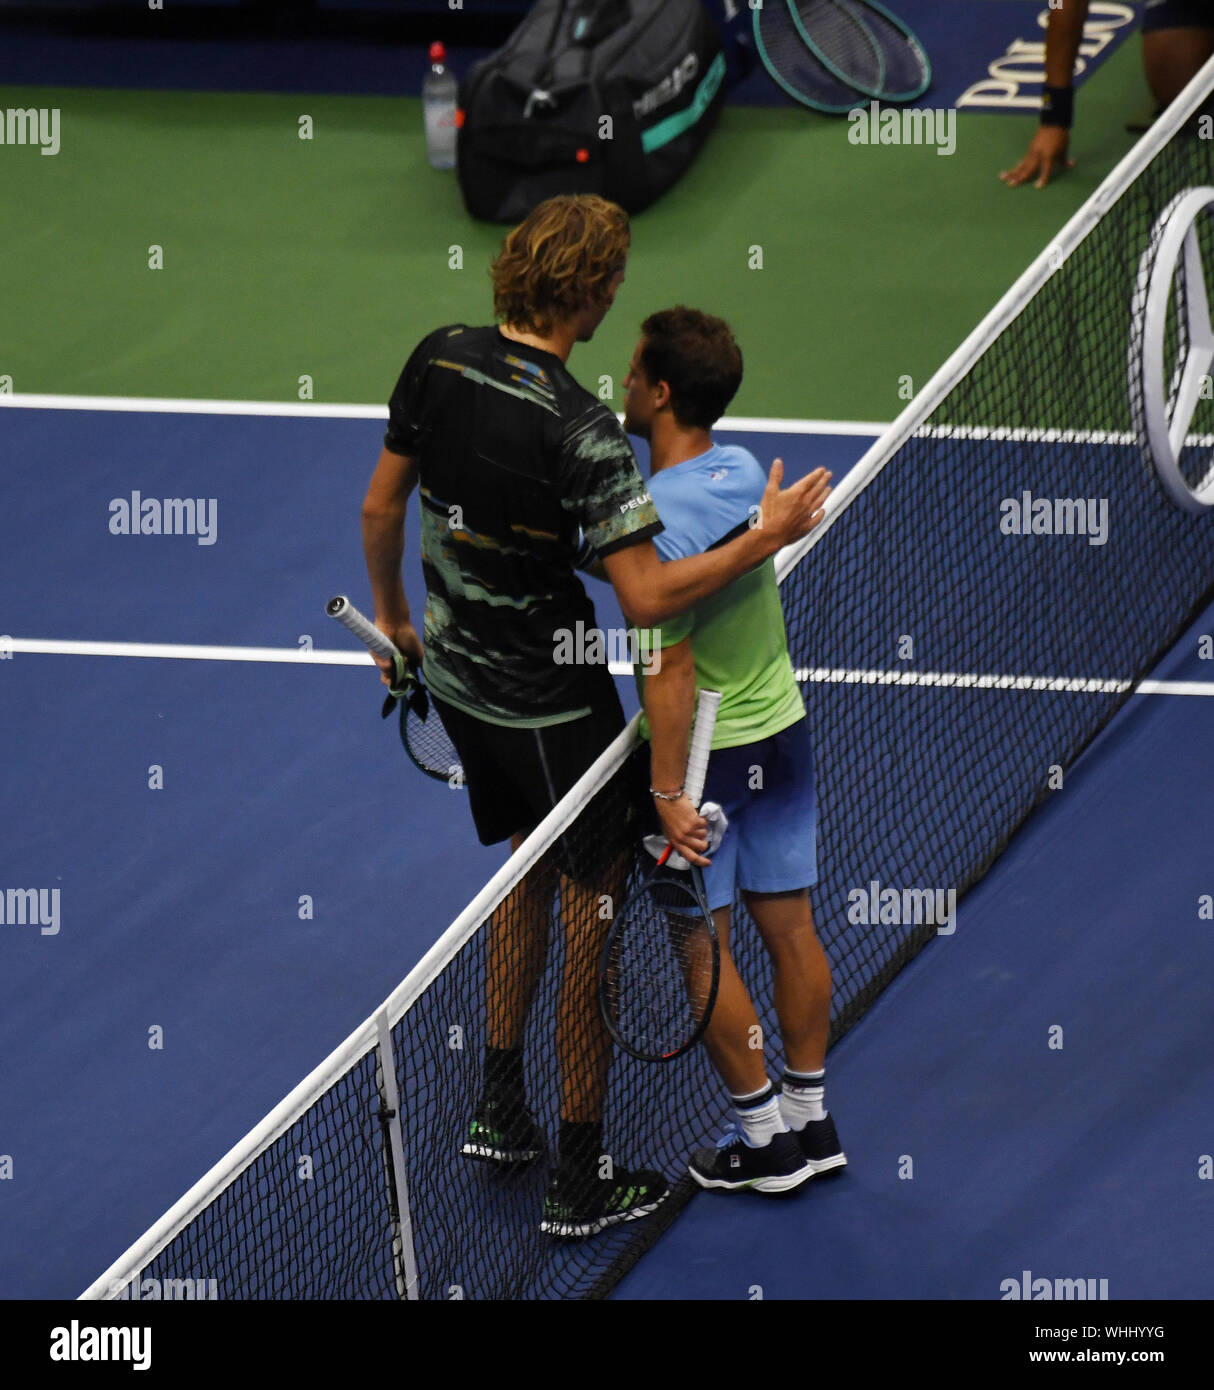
(841, 39)
(907, 71)
(794, 66)
(835, 55)
(428, 743)
(659, 981)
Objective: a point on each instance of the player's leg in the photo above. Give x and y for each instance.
(517, 943)
(802, 999)
(801, 974)
(1174, 47)
(733, 1038)
(756, 1151)
(591, 1186)
(777, 863)
(502, 1129)
(582, 1041)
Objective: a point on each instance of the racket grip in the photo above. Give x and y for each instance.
(701, 745)
(367, 633)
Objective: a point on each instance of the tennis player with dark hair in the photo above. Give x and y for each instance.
(517, 466)
(1177, 39)
(684, 373)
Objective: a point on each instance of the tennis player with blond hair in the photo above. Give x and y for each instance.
(521, 473)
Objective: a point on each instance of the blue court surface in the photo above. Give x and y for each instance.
(237, 864)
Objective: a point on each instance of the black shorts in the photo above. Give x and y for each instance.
(516, 776)
(1177, 14)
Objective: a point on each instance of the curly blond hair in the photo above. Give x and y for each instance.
(559, 261)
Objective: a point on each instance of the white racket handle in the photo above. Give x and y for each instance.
(701, 745)
(367, 633)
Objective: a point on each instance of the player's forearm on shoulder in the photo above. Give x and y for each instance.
(669, 702)
(650, 592)
(1062, 40)
(681, 584)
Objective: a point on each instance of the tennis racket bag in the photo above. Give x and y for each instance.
(613, 97)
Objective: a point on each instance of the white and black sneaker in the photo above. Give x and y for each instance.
(820, 1145)
(735, 1166)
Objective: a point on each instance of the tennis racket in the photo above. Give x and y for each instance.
(794, 66)
(841, 42)
(661, 962)
(421, 730)
(907, 68)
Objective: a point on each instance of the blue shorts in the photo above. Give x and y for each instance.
(1177, 14)
(771, 845)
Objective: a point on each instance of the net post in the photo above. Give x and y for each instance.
(403, 1254)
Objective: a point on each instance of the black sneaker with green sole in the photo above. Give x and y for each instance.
(503, 1134)
(577, 1206)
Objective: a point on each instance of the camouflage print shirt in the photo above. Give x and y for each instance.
(515, 460)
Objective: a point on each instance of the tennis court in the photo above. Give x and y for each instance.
(181, 907)
(238, 865)
(180, 910)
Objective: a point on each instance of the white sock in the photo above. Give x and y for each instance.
(802, 1098)
(759, 1116)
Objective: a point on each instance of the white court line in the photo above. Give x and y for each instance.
(750, 424)
(162, 406)
(1175, 688)
(757, 424)
(949, 680)
(178, 651)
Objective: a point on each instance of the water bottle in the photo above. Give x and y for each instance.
(438, 106)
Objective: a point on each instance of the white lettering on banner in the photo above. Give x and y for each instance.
(1015, 80)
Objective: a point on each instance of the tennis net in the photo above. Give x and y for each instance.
(992, 580)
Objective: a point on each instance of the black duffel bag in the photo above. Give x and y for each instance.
(613, 97)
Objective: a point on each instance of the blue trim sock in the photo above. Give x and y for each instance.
(759, 1116)
(803, 1097)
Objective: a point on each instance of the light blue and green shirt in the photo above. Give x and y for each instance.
(737, 636)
